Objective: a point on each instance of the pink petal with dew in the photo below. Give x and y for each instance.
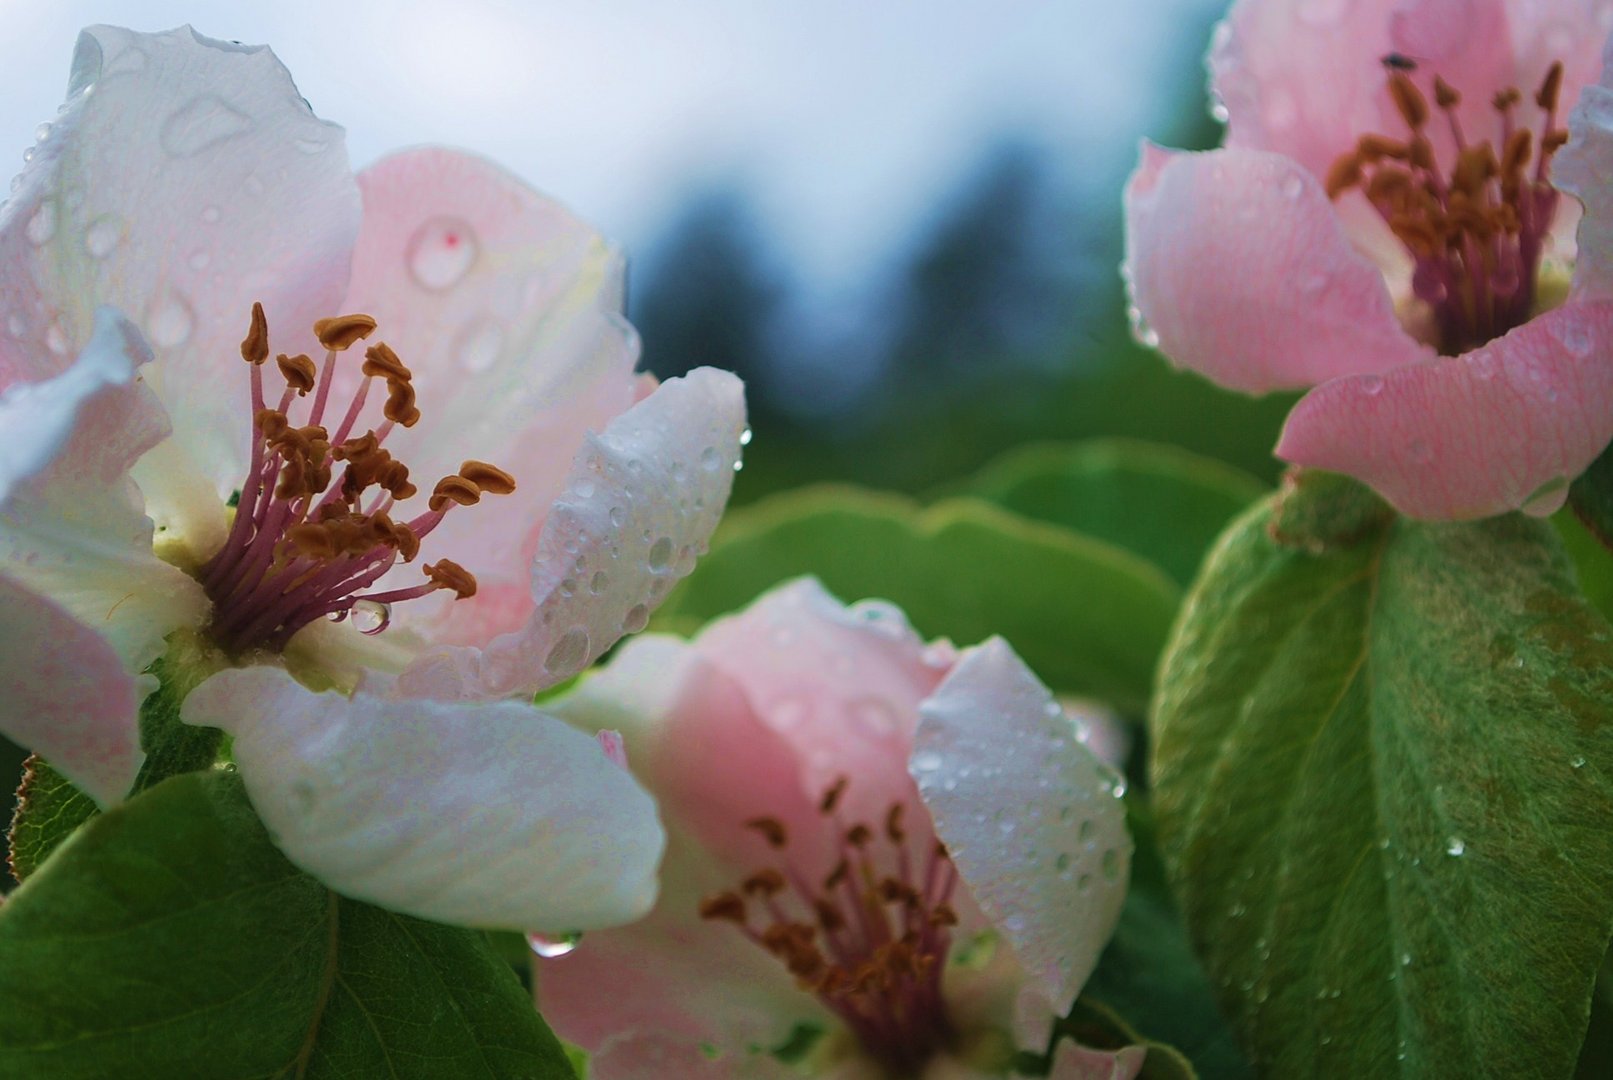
(180, 207)
(1503, 427)
(489, 815)
(71, 523)
(507, 309)
(1030, 816)
(841, 685)
(66, 696)
(1072, 1061)
(697, 745)
(1239, 266)
(1582, 169)
(659, 1056)
(640, 504)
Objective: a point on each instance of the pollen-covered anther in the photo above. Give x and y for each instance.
(728, 906)
(255, 346)
(771, 829)
(382, 362)
(831, 797)
(447, 574)
(454, 489)
(298, 371)
(768, 882)
(1408, 99)
(400, 407)
(341, 332)
(490, 478)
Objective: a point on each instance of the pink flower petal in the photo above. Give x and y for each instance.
(71, 524)
(1239, 265)
(492, 815)
(507, 310)
(697, 744)
(184, 180)
(1503, 427)
(66, 695)
(1028, 813)
(640, 504)
(1072, 1061)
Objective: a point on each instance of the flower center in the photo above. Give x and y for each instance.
(302, 547)
(870, 943)
(1475, 231)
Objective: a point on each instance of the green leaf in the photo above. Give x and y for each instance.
(1593, 563)
(48, 809)
(1093, 1024)
(1088, 617)
(1149, 974)
(1591, 497)
(1160, 502)
(1382, 784)
(169, 937)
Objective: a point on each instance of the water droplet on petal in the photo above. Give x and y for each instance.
(637, 618)
(169, 322)
(660, 555)
(745, 437)
(617, 516)
(480, 344)
(441, 252)
(370, 617)
(1548, 498)
(568, 654)
(1575, 338)
(1371, 385)
(42, 132)
(549, 946)
(311, 146)
(925, 761)
(42, 226)
(102, 236)
(202, 123)
(598, 582)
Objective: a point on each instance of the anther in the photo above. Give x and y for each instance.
(859, 835)
(1506, 99)
(255, 346)
(454, 489)
(299, 372)
(341, 332)
(447, 574)
(1445, 95)
(1550, 87)
(831, 798)
(893, 823)
(772, 830)
(1409, 100)
(400, 407)
(726, 905)
(380, 360)
(1344, 175)
(490, 478)
(765, 883)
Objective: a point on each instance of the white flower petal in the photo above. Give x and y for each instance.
(1028, 813)
(71, 523)
(184, 179)
(64, 695)
(640, 505)
(491, 815)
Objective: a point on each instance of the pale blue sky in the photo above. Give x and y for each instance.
(845, 117)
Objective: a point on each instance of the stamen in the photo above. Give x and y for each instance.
(302, 546)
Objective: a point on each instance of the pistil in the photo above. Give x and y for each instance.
(870, 940)
(1475, 231)
(305, 542)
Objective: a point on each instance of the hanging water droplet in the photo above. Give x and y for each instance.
(102, 236)
(637, 618)
(1548, 498)
(169, 321)
(338, 616)
(550, 946)
(42, 132)
(370, 617)
(1455, 846)
(42, 226)
(739, 465)
(568, 655)
(660, 554)
(441, 252)
(745, 437)
(203, 122)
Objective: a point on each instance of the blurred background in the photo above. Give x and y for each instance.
(899, 221)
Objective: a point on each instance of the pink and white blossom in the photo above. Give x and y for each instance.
(1386, 225)
(900, 845)
(184, 182)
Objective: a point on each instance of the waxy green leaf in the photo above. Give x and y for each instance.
(1087, 616)
(169, 937)
(1382, 780)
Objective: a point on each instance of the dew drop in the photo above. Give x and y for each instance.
(710, 459)
(569, 653)
(1455, 846)
(42, 132)
(617, 516)
(583, 488)
(1577, 761)
(42, 226)
(1575, 338)
(660, 555)
(1084, 833)
(636, 619)
(441, 252)
(370, 617)
(549, 946)
(1371, 385)
(311, 146)
(338, 616)
(925, 761)
(1111, 865)
(1548, 498)
(102, 236)
(169, 322)
(598, 582)
(202, 123)
(739, 466)
(745, 437)
(481, 343)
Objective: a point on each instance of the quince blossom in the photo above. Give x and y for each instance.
(902, 847)
(1386, 223)
(187, 196)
